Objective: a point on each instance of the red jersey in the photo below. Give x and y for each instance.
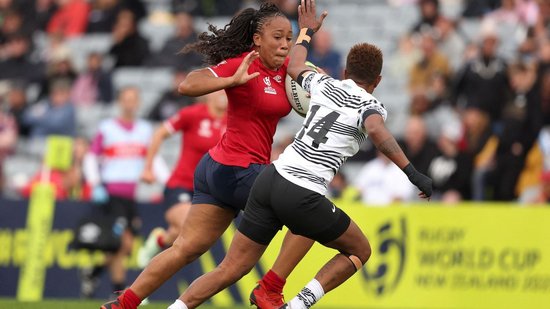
(201, 131)
(254, 109)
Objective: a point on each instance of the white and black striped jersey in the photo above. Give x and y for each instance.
(332, 131)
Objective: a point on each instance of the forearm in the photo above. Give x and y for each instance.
(298, 54)
(160, 135)
(201, 82)
(386, 144)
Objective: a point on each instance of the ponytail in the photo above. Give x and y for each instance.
(236, 37)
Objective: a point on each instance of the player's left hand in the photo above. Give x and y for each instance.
(307, 15)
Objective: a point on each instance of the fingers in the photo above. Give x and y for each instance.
(323, 16)
(251, 56)
(310, 6)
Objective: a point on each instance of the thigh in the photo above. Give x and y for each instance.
(260, 223)
(352, 241)
(203, 225)
(308, 213)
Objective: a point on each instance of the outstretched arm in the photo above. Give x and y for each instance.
(309, 24)
(202, 81)
(386, 143)
(148, 175)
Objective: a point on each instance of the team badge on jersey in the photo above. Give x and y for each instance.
(268, 88)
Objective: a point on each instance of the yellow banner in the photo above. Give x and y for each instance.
(440, 257)
(39, 225)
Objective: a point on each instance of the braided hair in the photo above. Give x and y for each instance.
(236, 37)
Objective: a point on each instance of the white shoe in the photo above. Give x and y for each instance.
(150, 248)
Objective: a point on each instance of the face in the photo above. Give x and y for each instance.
(94, 62)
(129, 101)
(415, 134)
(60, 96)
(274, 41)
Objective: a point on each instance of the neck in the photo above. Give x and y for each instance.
(127, 118)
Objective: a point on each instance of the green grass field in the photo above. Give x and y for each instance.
(78, 304)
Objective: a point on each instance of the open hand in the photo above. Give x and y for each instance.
(241, 76)
(307, 15)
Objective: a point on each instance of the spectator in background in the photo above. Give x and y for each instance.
(483, 82)
(515, 12)
(68, 184)
(130, 48)
(112, 168)
(449, 42)
(479, 143)
(521, 122)
(451, 169)
(94, 85)
(541, 193)
(324, 55)
(70, 19)
(59, 67)
(37, 13)
(8, 140)
(381, 182)
(15, 60)
(429, 14)
(430, 64)
(12, 24)
(478, 8)
(207, 7)
(417, 146)
(103, 15)
(170, 54)
(171, 101)
(54, 116)
(16, 100)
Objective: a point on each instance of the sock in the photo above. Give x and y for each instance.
(178, 304)
(129, 299)
(273, 282)
(308, 296)
(160, 241)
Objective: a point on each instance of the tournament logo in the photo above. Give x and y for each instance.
(278, 78)
(383, 276)
(268, 88)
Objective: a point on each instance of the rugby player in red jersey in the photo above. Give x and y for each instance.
(202, 125)
(249, 60)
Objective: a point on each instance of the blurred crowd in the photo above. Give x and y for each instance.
(479, 109)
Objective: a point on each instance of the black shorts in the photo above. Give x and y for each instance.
(275, 201)
(176, 195)
(125, 212)
(222, 185)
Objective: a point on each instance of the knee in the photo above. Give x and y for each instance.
(187, 250)
(361, 254)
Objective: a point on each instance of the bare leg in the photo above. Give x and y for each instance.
(117, 268)
(202, 227)
(340, 268)
(292, 251)
(175, 216)
(241, 257)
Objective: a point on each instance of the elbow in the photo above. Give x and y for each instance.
(184, 88)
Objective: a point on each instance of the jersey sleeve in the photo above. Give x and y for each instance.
(227, 67)
(180, 121)
(312, 80)
(371, 106)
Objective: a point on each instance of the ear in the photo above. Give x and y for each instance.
(257, 39)
(345, 74)
(378, 80)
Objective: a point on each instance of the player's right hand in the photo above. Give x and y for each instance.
(421, 181)
(307, 15)
(147, 176)
(241, 76)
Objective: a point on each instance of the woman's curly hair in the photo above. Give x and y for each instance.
(236, 37)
